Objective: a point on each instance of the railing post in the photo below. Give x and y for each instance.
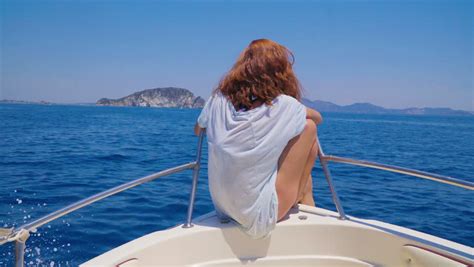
(19, 253)
(196, 170)
(20, 246)
(327, 173)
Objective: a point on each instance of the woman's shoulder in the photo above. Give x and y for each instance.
(285, 99)
(214, 97)
(218, 95)
(289, 105)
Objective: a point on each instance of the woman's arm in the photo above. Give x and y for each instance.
(314, 116)
(197, 129)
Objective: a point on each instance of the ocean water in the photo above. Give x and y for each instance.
(51, 156)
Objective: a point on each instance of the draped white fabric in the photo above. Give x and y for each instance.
(244, 148)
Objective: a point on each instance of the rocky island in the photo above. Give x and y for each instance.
(168, 97)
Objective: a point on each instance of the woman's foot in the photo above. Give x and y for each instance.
(308, 200)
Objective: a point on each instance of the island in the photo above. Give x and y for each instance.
(173, 97)
(167, 97)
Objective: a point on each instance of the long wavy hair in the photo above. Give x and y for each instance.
(262, 72)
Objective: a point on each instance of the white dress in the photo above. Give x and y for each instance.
(244, 148)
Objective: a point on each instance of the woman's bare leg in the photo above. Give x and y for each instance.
(307, 197)
(292, 166)
(306, 186)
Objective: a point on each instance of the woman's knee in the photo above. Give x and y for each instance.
(310, 127)
(309, 132)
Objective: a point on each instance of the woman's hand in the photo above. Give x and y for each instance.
(197, 129)
(314, 116)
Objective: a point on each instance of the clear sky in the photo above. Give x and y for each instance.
(390, 53)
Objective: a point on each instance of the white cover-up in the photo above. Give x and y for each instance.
(244, 148)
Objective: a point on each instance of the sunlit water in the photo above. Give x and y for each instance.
(51, 156)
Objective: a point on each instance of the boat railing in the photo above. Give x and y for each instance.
(20, 234)
(324, 159)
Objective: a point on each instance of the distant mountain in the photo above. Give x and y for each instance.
(170, 97)
(322, 105)
(183, 98)
(368, 108)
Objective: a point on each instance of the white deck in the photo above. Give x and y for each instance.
(309, 237)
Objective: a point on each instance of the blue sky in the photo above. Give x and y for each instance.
(390, 53)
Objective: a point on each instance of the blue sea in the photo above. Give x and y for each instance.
(52, 156)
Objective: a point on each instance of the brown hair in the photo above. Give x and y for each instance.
(262, 72)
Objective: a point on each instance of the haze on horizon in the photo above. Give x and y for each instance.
(395, 54)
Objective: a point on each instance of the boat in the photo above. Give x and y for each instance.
(308, 236)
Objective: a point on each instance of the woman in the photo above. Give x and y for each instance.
(261, 140)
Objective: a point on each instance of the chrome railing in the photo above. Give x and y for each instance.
(327, 174)
(396, 169)
(20, 234)
(197, 168)
(324, 159)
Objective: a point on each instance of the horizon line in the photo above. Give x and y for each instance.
(94, 102)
